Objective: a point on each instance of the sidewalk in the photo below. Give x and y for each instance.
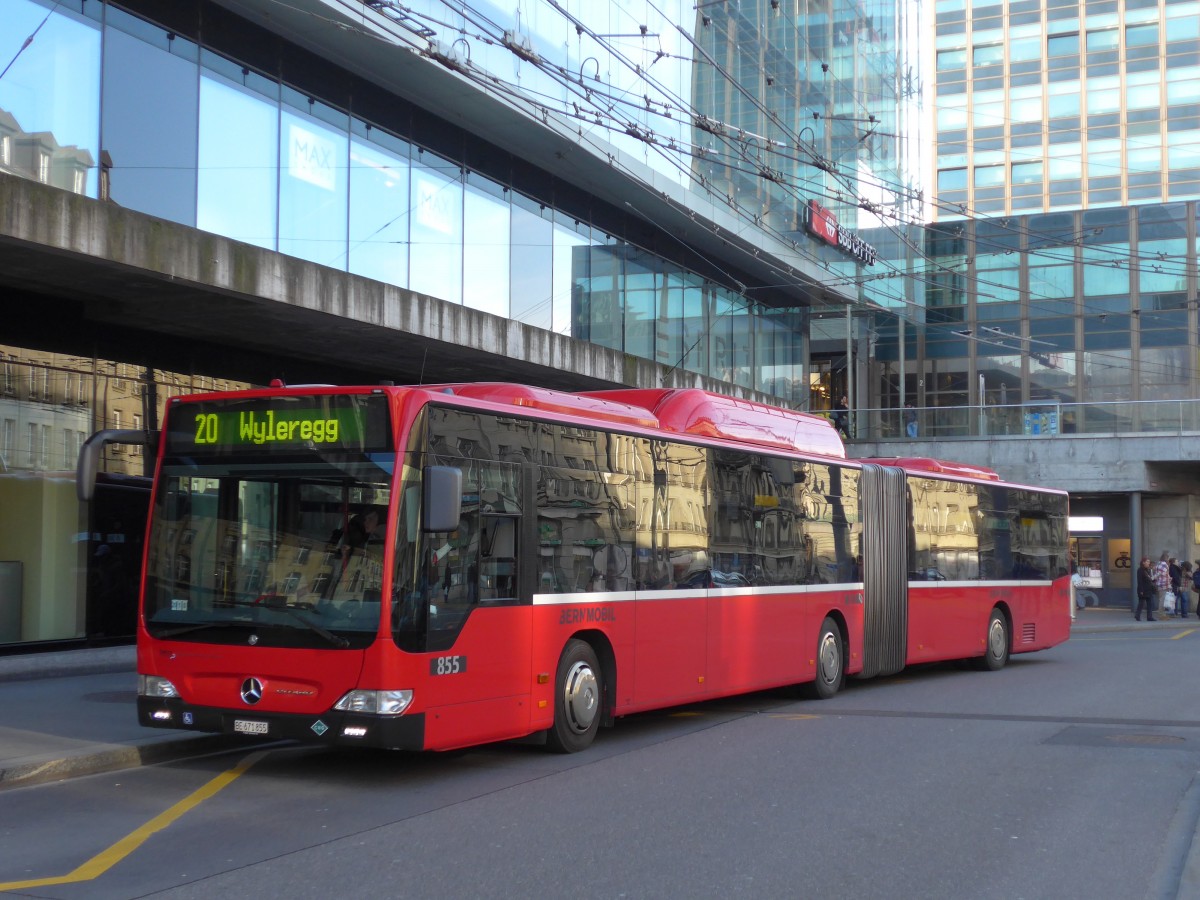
(72, 713)
(1095, 619)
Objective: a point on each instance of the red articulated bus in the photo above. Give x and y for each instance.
(441, 566)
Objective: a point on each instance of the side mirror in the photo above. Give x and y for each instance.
(89, 457)
(442, 500)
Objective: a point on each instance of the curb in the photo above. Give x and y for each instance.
(66, 663)
(116, 758)
(1132, 625)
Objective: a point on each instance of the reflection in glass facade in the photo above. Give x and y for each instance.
(745, 111)
(1102, 311)
(1087, 106)
(1071, 189)
(753, 106)
(66, 571)
(50, 96)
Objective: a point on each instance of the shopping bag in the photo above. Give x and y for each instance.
(1169, 602)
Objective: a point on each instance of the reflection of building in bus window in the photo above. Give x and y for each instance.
(363, 530)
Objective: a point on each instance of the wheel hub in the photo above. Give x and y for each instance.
(581, 696)
(996, 639)
(829, 659)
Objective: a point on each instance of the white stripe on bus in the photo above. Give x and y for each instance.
(772, 590)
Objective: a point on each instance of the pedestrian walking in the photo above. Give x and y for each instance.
(1175, 573)
(1196, 585)
(841, 416)
(1162, 579)
(1145, 590)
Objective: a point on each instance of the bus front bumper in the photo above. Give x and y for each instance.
(331, 728)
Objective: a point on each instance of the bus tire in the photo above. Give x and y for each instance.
(995, 654)
(831, 662)
(578, 699)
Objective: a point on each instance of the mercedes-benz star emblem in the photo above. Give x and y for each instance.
(252, 691)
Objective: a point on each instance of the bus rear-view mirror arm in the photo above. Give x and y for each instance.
(93, 447)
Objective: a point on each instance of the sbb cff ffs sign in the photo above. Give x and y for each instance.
(822, 223)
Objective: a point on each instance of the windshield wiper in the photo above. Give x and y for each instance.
(334, 639)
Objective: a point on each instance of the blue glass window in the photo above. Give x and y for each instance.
(150, 109)
(1141, 35)
(1062, 45)
(532, 259)
(437, 228)
(314, 158)
(238, 156)
(1027, 173)
(569, 244)
(52, 90)
(952, 179)
(486, 236)
(379, 213)
(951, 59)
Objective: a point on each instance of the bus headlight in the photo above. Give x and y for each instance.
(375, 703)
(155, 686)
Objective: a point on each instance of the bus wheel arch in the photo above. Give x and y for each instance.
(997, 640)
(832, 650)
(581, 694)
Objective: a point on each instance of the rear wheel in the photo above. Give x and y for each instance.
(996, 653)
(831, 661)
(578, 698)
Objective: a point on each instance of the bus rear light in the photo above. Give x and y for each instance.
(155, 686)
(375, 703)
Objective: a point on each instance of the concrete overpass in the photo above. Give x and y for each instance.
(88, 277)
(1083, 464)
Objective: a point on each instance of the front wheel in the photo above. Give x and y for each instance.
(996, 653)
(831, 661)
(578, 698)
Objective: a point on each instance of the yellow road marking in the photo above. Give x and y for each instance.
(106, 859)
(793, 716)
(1183, 634)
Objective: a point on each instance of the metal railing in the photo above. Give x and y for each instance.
(1030, 420)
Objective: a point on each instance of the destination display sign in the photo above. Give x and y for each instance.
(279, 424)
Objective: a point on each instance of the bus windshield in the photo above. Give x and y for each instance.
(278, 548)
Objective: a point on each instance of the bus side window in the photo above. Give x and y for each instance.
(498, 558)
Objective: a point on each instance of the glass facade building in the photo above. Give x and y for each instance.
(1066, 104)
(736, 116)
(1061, 262)
(759, 107)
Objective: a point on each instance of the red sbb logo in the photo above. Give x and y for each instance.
(822, 223)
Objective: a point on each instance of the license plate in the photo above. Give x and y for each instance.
(245, 726)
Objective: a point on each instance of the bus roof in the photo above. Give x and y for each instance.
(680, 411)
(703, 413)
(547, 400)
(936, 467)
